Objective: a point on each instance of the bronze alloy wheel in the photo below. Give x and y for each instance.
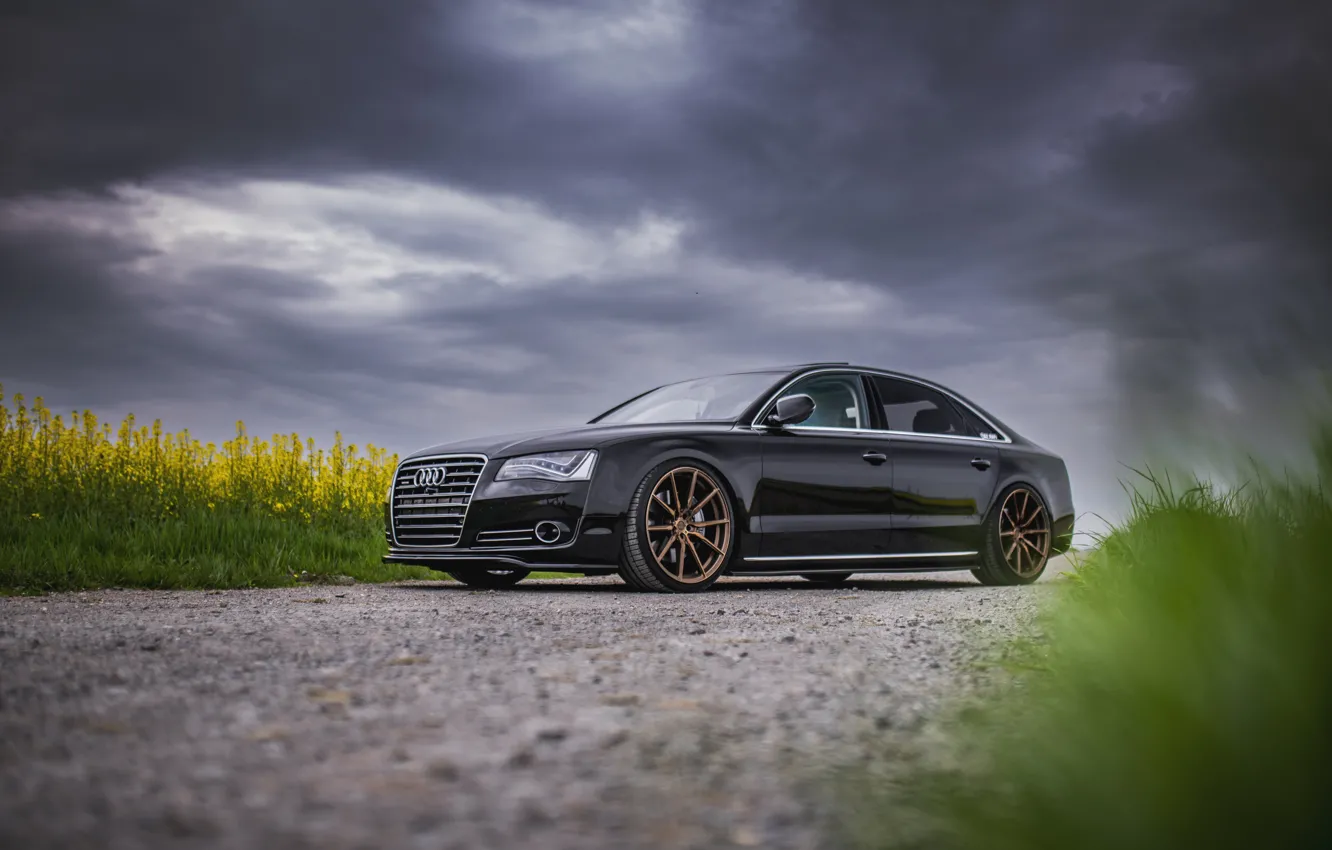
(1015, 540)
(679, 535)
(1024, 532)
(688, 525)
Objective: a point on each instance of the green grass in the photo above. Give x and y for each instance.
(207, 549)
(201, 549)
(1182, 696)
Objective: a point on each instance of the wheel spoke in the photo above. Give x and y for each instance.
(711, 523)
(705, 539)
(653, 529)
(702, 567)
(1034, 516)
(689, 499)
(659, 500)
(1001, 534)
(661, 553)
(680, 560)
(675, 492)
(1008, 556)
(707, 499)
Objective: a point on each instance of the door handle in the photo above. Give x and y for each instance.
(980, 463)
(875, 458)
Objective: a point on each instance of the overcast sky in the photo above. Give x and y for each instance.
(422, 220)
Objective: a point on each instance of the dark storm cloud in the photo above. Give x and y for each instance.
(1225, 196)
(102, 92)
(99, 92)
(1157, 170)
(70, 318)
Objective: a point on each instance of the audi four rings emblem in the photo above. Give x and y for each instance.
(431, 476)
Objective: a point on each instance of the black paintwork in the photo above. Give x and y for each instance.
(796, 493)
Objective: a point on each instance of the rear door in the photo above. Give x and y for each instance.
(826, 487)
(944, 472)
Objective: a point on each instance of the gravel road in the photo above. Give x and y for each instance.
(561, 714)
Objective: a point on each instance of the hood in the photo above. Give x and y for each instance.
(569, 438)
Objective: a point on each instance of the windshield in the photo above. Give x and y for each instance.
(720, 397)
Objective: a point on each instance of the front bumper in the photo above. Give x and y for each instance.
(500, 509)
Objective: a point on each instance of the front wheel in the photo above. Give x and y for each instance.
(1016, 544)
(491, 579)
(678, 537)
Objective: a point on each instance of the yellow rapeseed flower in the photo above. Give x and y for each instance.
(48, 465)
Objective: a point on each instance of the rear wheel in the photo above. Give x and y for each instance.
(1016, 544)
(678, 537)
(491, 579)
(826, 578)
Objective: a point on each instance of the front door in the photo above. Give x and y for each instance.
(944, 473)
(826, 487)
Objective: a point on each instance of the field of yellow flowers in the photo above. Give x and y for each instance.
(85, 505)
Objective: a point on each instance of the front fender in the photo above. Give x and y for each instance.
(735, 456)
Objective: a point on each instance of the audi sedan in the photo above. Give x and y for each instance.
(823, 470)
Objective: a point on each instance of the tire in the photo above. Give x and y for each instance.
(826, 578)
(491, 579)
(1016, 543)
(654, 556)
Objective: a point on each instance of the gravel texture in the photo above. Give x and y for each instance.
(560, 714)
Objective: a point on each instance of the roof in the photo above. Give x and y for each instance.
(791, 367)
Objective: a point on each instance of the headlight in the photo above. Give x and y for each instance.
(552, 466)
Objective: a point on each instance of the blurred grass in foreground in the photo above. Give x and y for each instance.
(1182, 696)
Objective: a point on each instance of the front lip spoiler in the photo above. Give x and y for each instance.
(469, 559)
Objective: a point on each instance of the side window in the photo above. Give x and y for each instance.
(977, 427)
(914, 408)
(839, 401)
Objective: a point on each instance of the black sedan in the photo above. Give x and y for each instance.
(822, 471)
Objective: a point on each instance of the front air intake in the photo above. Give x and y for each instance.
(431, 497)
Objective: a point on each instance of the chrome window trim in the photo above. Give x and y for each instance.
(772, 399)
(393, 524)
(879, 557)
(871, 434)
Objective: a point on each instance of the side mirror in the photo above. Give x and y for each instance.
(791, 410)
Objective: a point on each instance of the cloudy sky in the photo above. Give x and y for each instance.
(416, 220)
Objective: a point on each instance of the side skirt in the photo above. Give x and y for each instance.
(932, 567)
(880, 562)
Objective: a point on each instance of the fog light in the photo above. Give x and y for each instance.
(548, 532)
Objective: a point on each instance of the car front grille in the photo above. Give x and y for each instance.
(432, 513)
